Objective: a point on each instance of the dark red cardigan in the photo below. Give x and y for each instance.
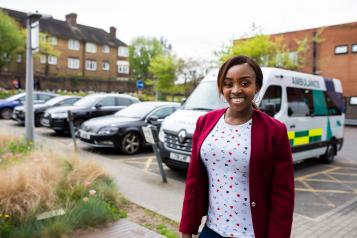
(271, 177)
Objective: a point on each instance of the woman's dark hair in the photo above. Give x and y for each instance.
(238, 60)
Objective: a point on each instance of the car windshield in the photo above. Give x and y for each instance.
(54, 101)
(136, 110)
(205, 97)
(15, 97)
(87, 101)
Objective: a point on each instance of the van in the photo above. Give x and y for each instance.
(312, 108)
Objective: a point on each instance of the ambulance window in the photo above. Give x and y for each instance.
(300, 103)
(335, 103)
(271, 101)
(320, 106)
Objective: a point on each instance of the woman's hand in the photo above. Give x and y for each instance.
(186, 235)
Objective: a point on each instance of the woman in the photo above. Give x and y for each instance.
(241, 169)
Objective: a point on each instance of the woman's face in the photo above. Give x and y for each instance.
(239, 87)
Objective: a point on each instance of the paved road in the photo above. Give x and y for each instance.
(320, 188)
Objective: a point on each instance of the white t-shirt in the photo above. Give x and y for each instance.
(226, 154)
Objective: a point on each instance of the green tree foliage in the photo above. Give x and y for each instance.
(11, 39)
(141, 51)
(268, 52)
(163, 68)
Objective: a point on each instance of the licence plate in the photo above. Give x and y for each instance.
(183, 158)
(84, 135)
(45, 121)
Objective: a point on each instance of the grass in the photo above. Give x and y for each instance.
(33, 181)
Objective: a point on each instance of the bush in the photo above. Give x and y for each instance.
(33, 182)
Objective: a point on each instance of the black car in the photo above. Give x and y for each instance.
(123, 130)
(88, 107)
(19, 112)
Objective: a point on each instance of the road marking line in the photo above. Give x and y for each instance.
(324, 191)
(317, 173)
(339, 181)
(148, 163)
(311, 189)
(330, 181)
(339, 173)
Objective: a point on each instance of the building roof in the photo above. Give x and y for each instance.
(63, 29)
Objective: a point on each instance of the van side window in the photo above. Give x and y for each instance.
(300, 103)
(320, 106)
(272, 99)
(335, 103)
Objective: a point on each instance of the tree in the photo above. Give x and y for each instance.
(141, 51)
(164, 68)
(46, 49)
(11, 39)
(267, 51)
(190, 72)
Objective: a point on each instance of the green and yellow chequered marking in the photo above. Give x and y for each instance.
(304, 137)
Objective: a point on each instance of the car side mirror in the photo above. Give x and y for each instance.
(269, 109)
(152, 119)
(98, 106)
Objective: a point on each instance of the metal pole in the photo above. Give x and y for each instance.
(157, 152)
(29, 116)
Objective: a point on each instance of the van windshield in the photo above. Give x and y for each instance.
(205, 97)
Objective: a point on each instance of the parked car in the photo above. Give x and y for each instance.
(88, 107)
(8, 105)
(19, 112)
(123, 130)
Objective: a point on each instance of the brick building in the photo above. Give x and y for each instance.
(85, 51)
(334, 57)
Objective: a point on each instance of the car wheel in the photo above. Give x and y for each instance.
(130, 144)
(6, 113)
(329, 155)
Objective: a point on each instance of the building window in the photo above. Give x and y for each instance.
(73, 63)
(91, 65)
(52, 59)
(123, 51)
(341, 49)
(123, 67)
(354, 48)
(19, 58)
(73, 44)
(91, 47)
(105, 66)
(105, 49)
(43, 59)
(52, 40)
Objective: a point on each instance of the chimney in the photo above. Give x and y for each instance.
(72, 19)
(113, 32)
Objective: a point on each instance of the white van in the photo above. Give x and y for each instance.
(312, 108)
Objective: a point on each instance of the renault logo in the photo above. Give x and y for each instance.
(182, 136)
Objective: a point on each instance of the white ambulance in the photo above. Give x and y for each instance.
(312, 108)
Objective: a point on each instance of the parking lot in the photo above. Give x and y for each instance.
(320, 188)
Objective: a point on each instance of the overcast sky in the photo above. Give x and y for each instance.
(195, 28)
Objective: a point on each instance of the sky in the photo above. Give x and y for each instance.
(195, 28)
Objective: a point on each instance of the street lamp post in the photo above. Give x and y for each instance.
(32, 22)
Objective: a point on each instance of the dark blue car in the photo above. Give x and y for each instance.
(8, 105)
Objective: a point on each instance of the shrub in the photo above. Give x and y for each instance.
(41, 181)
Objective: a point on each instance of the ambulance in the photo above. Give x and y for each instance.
(311, 107)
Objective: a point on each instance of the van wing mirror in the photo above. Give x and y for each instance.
(269, 109)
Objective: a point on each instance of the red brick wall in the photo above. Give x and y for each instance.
(343, 67)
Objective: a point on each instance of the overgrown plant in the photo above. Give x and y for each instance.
(43, 195)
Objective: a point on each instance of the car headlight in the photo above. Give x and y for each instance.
(108, 131)
(161, 135)
(59, 115)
